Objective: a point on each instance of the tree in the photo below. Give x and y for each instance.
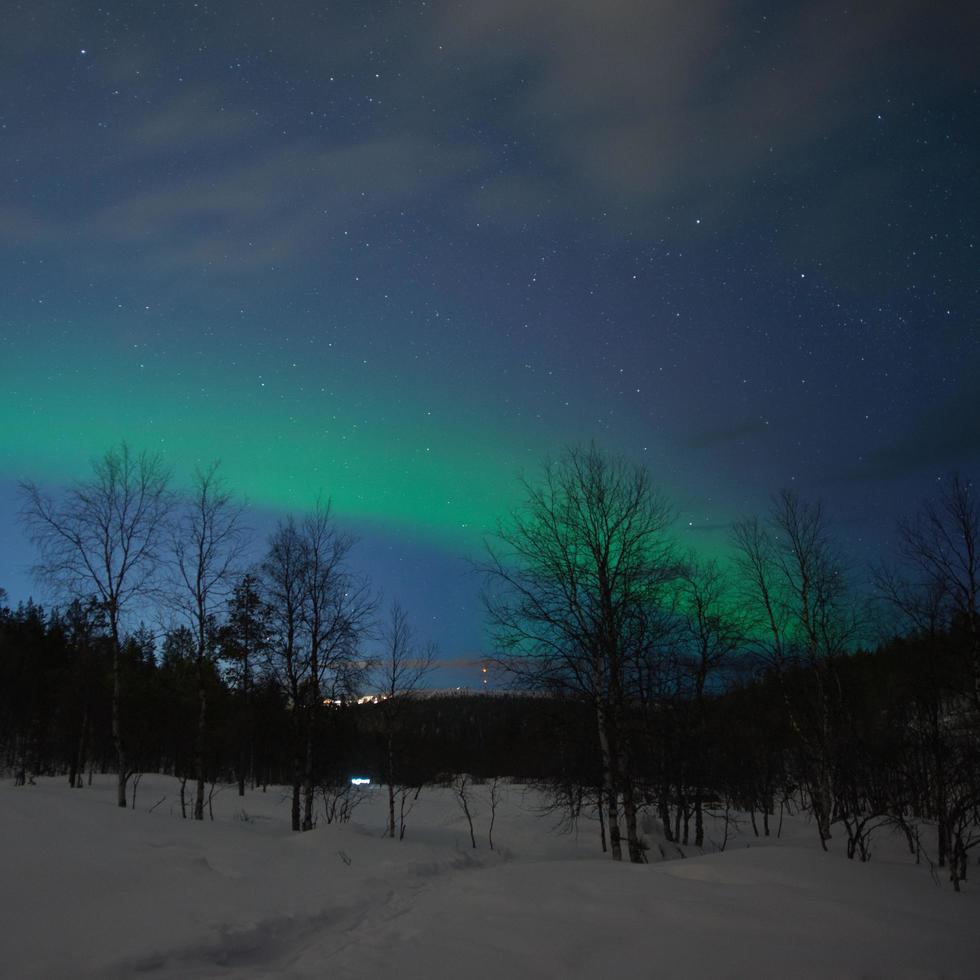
(26, 707)
(178, 691)
(208, 541)
(336, 611)
(84, 626)
(244, 642)
(571, 580)
(712, 628)
(319, 611)
(399, 672)
(936, 593)
(283, 578)
(103, 537)
(796, 593)
(941, 543)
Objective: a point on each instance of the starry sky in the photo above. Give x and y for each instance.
(394, 253)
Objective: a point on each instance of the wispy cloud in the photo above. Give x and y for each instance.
(197, 120)
(643, 101)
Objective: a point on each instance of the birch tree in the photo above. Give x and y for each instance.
(711, 628)
(936, 592)
(283, 579)
(795, 590)
(319, 610)
(336, 609)
(941, 547)
(571, 577)
(398, 673)
(208, 543)
(103, 537)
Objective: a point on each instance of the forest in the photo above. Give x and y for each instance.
(647, 683)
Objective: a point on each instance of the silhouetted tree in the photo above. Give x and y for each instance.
(283, 574)
(244, 645)
(208, 542)
(941, 544)
(398, 673)
(104, 537)
(336, 609)
(795, 588)
(572, 577)
(712, 627)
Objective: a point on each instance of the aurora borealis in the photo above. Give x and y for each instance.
(392, 253)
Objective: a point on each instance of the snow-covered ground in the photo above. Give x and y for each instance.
(89, 890)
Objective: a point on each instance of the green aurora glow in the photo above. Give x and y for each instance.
(389, 447)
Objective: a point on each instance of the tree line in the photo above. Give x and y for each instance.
(591, 598)
(667, 686)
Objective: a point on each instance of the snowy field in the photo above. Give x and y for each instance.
(93, 891)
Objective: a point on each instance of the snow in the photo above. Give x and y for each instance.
(90, 890)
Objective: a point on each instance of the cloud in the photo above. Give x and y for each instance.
(252, 209)
(642, 100)
(196, 120)
(502, 109)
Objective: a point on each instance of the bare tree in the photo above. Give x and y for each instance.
(804, 620)
(208, 545)
(493, 800)
(103, 537)
(936, 592)
(462, 785)
(399, 672)
(713, 627)
(283, 574)
(336, 612)
(942, 544)
(571, 579)
(319, 611)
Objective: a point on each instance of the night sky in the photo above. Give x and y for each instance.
(394, 253)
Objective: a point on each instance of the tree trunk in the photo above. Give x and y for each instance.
(634, 844)
(73, 768)
(81, 750)
(298, 755)
(246, 753)
(242, 764)
(117, 738)
(295, 810)
(390, 779)
(308, 788)
(664, 811)
(821, 798)
(602, 823)
(202, 720)
(609, 782)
